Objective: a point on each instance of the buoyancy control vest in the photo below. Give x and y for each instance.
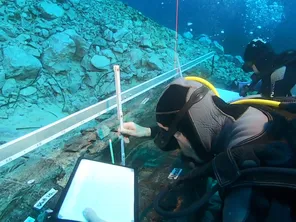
(280, 126)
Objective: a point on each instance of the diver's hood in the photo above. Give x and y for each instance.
(195, 101)
(258, 53)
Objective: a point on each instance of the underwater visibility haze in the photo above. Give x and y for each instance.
(234, 23)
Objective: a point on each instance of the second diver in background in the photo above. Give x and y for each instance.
(275, 72)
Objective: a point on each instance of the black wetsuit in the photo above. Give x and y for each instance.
(256, 204)
(282, 87)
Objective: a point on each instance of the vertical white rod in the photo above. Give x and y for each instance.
(179, 66)
(118, 95)
(119, 108)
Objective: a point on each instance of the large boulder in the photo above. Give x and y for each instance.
(19, 64)
(82, 46)
(50, 10)
(58, 54)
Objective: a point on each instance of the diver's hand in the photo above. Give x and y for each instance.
(133, 129)
(91, 216)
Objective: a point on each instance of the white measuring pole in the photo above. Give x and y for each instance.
(119, 109)
(179, 66)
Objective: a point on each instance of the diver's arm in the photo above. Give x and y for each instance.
(248, 88)
(133, 129)
(227, 165)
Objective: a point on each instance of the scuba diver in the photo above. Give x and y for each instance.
(222, 141)
(275, 72)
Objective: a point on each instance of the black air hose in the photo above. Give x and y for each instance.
(253, 173)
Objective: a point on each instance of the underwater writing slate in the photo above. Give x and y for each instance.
(107, 189)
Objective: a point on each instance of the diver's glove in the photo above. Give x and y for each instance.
(133, 129)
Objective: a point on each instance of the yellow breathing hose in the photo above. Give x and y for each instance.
(205, 82)
(243, 101)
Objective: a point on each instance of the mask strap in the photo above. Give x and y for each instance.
(196, 96)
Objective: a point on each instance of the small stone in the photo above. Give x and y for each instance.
(238, 61)
(103, 131)
(66, 6)
(71, 14)
(28, 91)
(100, 62)
(23, 38)
(108, 35)
(31, 181)
(20, 3)
(119, 34)
(10, 86)
(37, 31)
(74, 1)
(10, 30)
(146, 43)
(154, 63)
(98, 49)
(2, 77)
(108, 53)
(75, 82)
(3, 36)
(60, 29)
(204, 39)
(126, 76)
(85, 63)
(135, 57)
(188, 35)
(92, 79)
(106, 89)
(98, 41)
(45, 33)
(219, 48)
(32, 51)
(121, 47)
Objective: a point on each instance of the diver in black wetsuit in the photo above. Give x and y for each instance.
(277, 72)
(221, 140)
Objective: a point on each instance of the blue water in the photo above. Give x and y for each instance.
(233, 17)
